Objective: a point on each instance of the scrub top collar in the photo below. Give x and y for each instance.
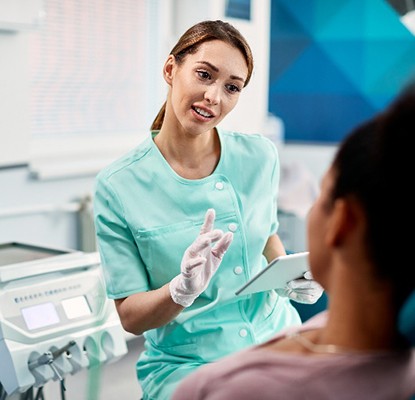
(176, 176)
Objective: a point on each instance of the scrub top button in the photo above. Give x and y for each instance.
(219, 185)
(243, 333)
(233, 227)
(238, 270)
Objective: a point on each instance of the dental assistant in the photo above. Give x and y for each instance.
(189, 215)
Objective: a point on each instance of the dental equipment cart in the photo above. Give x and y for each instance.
(55, 318)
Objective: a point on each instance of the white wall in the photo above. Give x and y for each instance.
(315, 158)
(14, 108)
(40, 212)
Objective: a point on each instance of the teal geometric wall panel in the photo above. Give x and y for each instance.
(334, 64)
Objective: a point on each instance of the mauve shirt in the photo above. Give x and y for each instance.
(262, 374)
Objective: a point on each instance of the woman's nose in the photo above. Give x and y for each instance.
(212, 94)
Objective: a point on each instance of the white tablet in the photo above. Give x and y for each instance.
(277, 273)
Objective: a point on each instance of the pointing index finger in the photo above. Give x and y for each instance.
(209, 220)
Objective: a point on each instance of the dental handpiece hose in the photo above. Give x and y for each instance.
(49, 357)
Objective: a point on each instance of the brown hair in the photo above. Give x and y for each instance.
(202, 32)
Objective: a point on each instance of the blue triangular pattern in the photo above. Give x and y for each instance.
(300, 10)
(289, 50)
(348, 56)
(337, 115)
(374, 19)
(325, 12)
(351, 64)
(312, 72)
(393, 80)
(384, 58)
(284, 23)
(311, 14)
(379, 15)
(347, 24)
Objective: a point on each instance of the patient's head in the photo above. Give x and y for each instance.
(373, 172)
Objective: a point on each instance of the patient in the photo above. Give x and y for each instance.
(361, 255)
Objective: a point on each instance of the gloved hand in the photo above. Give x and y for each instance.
(199, 263)
(302, 290)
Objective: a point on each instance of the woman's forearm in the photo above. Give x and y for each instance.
(274, 248)
(147, 310)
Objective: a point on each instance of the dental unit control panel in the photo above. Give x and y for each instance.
(55, 318)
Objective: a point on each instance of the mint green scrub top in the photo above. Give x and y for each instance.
(146, 216)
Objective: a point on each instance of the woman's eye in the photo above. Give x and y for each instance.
(203, 74)
(233, 88)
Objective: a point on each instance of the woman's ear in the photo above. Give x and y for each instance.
(346, 216)
(168, 69)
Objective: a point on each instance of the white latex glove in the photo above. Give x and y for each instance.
(302, 290)
(199, 263)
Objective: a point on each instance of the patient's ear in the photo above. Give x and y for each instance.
(345, 219)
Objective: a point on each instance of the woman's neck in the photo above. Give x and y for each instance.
(190, 156)
(361, 315)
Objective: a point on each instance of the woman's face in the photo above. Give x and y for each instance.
(318, 223)
(206, 86)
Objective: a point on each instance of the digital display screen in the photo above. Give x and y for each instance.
(40, 316)
(76, 307)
